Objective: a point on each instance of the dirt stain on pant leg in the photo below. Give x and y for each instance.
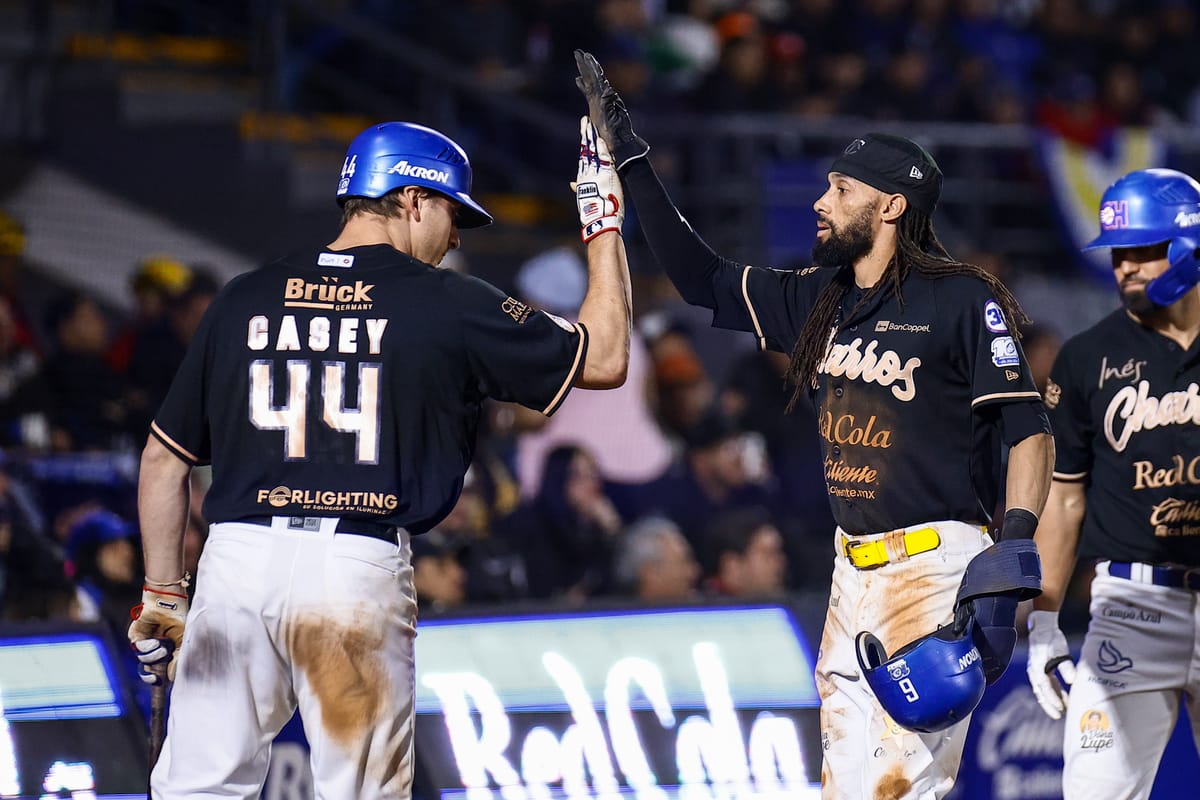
(343, 668)
(893, 785)
(209, 653)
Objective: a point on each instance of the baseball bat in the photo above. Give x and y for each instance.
(158, 719)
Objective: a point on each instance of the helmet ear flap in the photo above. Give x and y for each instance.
(1180, 277)
(871, 653)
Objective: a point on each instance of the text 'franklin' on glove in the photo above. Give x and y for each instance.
(607, 111)
(156, 633)
(597, 188)
(1051, 670)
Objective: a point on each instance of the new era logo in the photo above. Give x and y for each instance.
(916, 173)
(1010, 375)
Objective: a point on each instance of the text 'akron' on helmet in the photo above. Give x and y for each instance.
(392, 155)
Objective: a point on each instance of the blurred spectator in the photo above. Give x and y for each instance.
(159, 351)
(24, 395)
(12, 274)
(712, 476)
(756, 396)
(745, 555)
(495, 569)
(617, 426)
(87, 410)
(1122, 97)
(567, 530)
(103, 560)
(439, 578)
(654, 563)
(1041, 345)
(742, 80)
(153, 284)
(44, 596)
(685, 389)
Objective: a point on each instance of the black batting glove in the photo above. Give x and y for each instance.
(608, 112)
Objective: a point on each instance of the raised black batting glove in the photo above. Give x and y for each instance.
(597, 187)
(608, 111)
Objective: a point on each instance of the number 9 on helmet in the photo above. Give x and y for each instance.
(1155, 206)
(927, 685)
(397, 154)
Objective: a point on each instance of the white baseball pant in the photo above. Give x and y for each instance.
(285, 618)
(1140, 656)
(866, 756)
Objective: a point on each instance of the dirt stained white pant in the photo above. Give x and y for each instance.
(866, 756)
(282, 619)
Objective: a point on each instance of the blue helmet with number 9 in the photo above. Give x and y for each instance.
(927, 685)
(1155, 206)
(397, 154)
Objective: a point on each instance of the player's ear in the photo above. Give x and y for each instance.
(411, 199)
(893, 207)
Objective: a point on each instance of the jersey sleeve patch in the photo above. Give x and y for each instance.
(993, 317)
(1004, 352)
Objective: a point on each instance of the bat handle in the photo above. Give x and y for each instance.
(1053, 663)
(158, 718)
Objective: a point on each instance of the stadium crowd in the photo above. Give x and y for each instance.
(1079, 66)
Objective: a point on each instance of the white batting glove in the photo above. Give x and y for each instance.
(1048, 656)
(597, 188)
(156, 633)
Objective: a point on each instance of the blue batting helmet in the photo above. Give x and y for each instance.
(927, 685)
(397, 154)
(1153, 206)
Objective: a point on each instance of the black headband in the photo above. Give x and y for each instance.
(894, 165)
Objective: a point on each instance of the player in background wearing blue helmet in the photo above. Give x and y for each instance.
(336, 393)
(1124, 402)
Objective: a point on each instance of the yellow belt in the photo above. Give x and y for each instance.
(894, 546)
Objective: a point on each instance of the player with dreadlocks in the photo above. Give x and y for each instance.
(918, 379)
(917, 245)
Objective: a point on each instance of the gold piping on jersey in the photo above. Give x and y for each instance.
(575, 367)
(762, 340)
(1069, 477)
(173, 445)
(1004, 395)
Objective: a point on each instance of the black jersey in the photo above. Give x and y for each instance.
(350, 384)
(908, 397)
(1125, 406)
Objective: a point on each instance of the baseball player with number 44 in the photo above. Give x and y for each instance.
(1124, 399)
(336, 393)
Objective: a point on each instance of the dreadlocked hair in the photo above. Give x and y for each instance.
(916, 246)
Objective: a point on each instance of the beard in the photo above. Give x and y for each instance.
(847, 244)
(1136, 301)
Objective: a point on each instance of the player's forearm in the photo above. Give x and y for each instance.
(1057, 540)
(162, 510)
(607, 313)
(688, 261)
(1030, 467)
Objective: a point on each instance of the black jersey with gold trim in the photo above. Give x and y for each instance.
(350, 384)
(1124, 402)
(909, 393)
